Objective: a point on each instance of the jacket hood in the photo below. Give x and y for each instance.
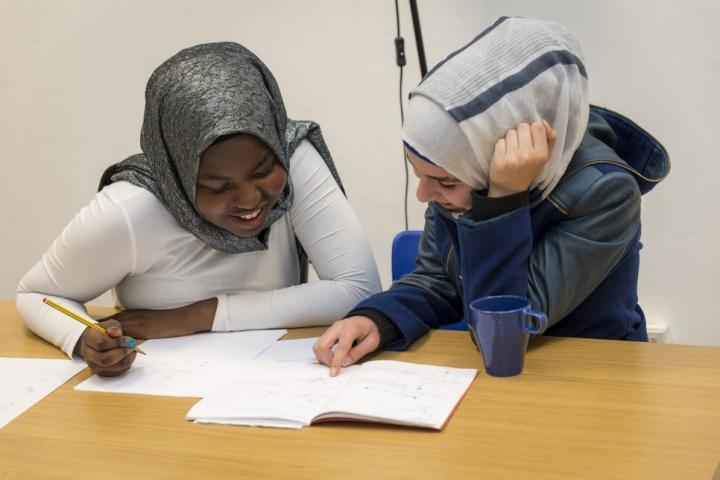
(614, 139)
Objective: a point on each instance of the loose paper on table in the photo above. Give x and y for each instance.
(187, 366)
(26, 381)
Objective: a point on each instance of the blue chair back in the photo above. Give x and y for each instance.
(403, 253)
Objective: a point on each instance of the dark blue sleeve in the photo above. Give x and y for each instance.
(424, 298)
(412, 309)
(494, 253)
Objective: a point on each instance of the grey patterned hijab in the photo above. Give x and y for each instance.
(198, 95)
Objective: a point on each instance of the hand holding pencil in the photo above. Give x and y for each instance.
(102, 345)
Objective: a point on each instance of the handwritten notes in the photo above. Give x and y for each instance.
(270, 394)
(186, 366)
(26, 381)
(402, 393)
(295, 395)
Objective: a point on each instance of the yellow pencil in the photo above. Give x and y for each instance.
(129, 341)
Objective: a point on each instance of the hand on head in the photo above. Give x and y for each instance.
(520, 157)
(106, 355)
(352, 338)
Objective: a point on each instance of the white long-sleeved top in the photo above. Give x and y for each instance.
(127, 241)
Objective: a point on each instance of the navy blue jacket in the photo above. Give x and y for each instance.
(575, 254)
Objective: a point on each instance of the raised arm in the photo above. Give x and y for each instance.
(576, 255)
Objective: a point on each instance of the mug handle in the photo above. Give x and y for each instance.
(535, 322)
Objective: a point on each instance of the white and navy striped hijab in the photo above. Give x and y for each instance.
(517, 70)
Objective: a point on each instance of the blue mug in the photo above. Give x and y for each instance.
(500, 327)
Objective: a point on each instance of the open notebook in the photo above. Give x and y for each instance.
(296, 395)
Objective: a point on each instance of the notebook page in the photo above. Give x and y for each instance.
(402, 393)
(270, 394)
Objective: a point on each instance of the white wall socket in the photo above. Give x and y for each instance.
(657, 333)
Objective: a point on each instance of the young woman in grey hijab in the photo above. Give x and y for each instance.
(210, 227)
(532, 192)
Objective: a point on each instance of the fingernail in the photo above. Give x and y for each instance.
(546, 123)
(130, 342)
(346, 362)
(333, 371)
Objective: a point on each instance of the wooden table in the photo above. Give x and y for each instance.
(581, 409)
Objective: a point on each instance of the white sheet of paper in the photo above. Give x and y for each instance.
(297, 351)
(26, 381)
(188, 366)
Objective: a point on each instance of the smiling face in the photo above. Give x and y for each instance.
(239, 181)
(437, 185)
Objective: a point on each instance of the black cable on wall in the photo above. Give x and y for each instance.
(401, 61)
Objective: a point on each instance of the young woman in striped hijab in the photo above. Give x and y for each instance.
(531, 192)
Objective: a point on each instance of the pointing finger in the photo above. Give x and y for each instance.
(341, 351)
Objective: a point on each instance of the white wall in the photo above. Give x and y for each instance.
(73, 77)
